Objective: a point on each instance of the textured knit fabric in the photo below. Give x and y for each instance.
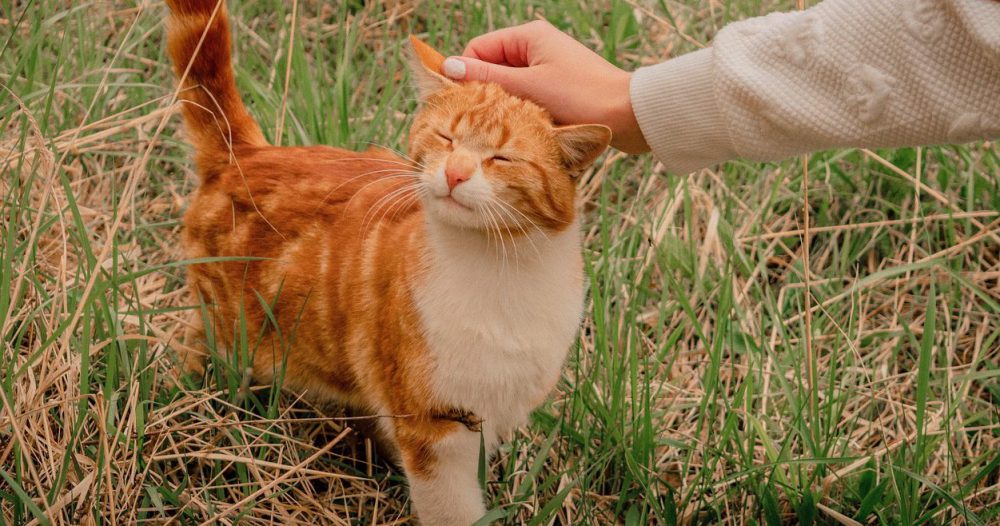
(861, 73)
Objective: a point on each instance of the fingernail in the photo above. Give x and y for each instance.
(454, 68)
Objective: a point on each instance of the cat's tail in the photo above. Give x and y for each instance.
(198, 43)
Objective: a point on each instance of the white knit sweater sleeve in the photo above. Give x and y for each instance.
(861, 73)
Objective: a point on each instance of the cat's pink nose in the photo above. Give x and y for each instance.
(456, 176)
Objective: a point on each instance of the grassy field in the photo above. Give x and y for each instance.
(732, 368)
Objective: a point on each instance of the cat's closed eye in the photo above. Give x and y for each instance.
(448, 140)
(500, 159)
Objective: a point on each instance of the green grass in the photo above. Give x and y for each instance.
(695, 395)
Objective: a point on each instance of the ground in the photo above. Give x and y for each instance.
(724, 374)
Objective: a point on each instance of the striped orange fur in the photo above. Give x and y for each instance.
(445, 288)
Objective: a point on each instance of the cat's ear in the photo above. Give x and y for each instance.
(581, 144)
(425, 63)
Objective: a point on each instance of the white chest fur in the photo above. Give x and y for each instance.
(499, 330)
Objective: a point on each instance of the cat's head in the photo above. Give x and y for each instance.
(491, 161)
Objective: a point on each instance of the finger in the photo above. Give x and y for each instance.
(508, 46)
(468, 69)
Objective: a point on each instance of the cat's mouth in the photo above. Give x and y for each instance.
(450, 201)
(454, 211)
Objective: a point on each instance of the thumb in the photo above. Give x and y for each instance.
(467, 69)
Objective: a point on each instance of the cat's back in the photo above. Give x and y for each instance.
(262, 197)
(291, 217)
(292, 228)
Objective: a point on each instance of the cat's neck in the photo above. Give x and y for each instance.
(502, 256)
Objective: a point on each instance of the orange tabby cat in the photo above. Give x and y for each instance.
(445, 290)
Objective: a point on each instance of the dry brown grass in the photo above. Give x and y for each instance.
(692, 371)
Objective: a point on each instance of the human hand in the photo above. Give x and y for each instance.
(538, 62)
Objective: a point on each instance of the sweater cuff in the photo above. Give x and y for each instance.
(674, 103)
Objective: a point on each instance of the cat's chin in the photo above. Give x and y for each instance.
(451, 212)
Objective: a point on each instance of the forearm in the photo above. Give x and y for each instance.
(844, 73)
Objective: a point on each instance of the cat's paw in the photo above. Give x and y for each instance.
(463, 416)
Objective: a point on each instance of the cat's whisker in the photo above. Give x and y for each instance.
(409, 201)
(510, 235)
(384, 201)
(513, 241)
(393, 172)
(500, 246)
(511, 208)
(397, 152)
(361, 190)
(534, 225)
(385, 198)
(410, 164)
(503, 243)
(389, 171)
(400, 153)
(507, 208)
(400, 205)
(376, 219)
(494, 215)
(489, 239)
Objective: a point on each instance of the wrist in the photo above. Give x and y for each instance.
(675, 105)
(626, 134)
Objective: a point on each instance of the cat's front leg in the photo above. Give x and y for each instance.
(192, 348)
(441, 458)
